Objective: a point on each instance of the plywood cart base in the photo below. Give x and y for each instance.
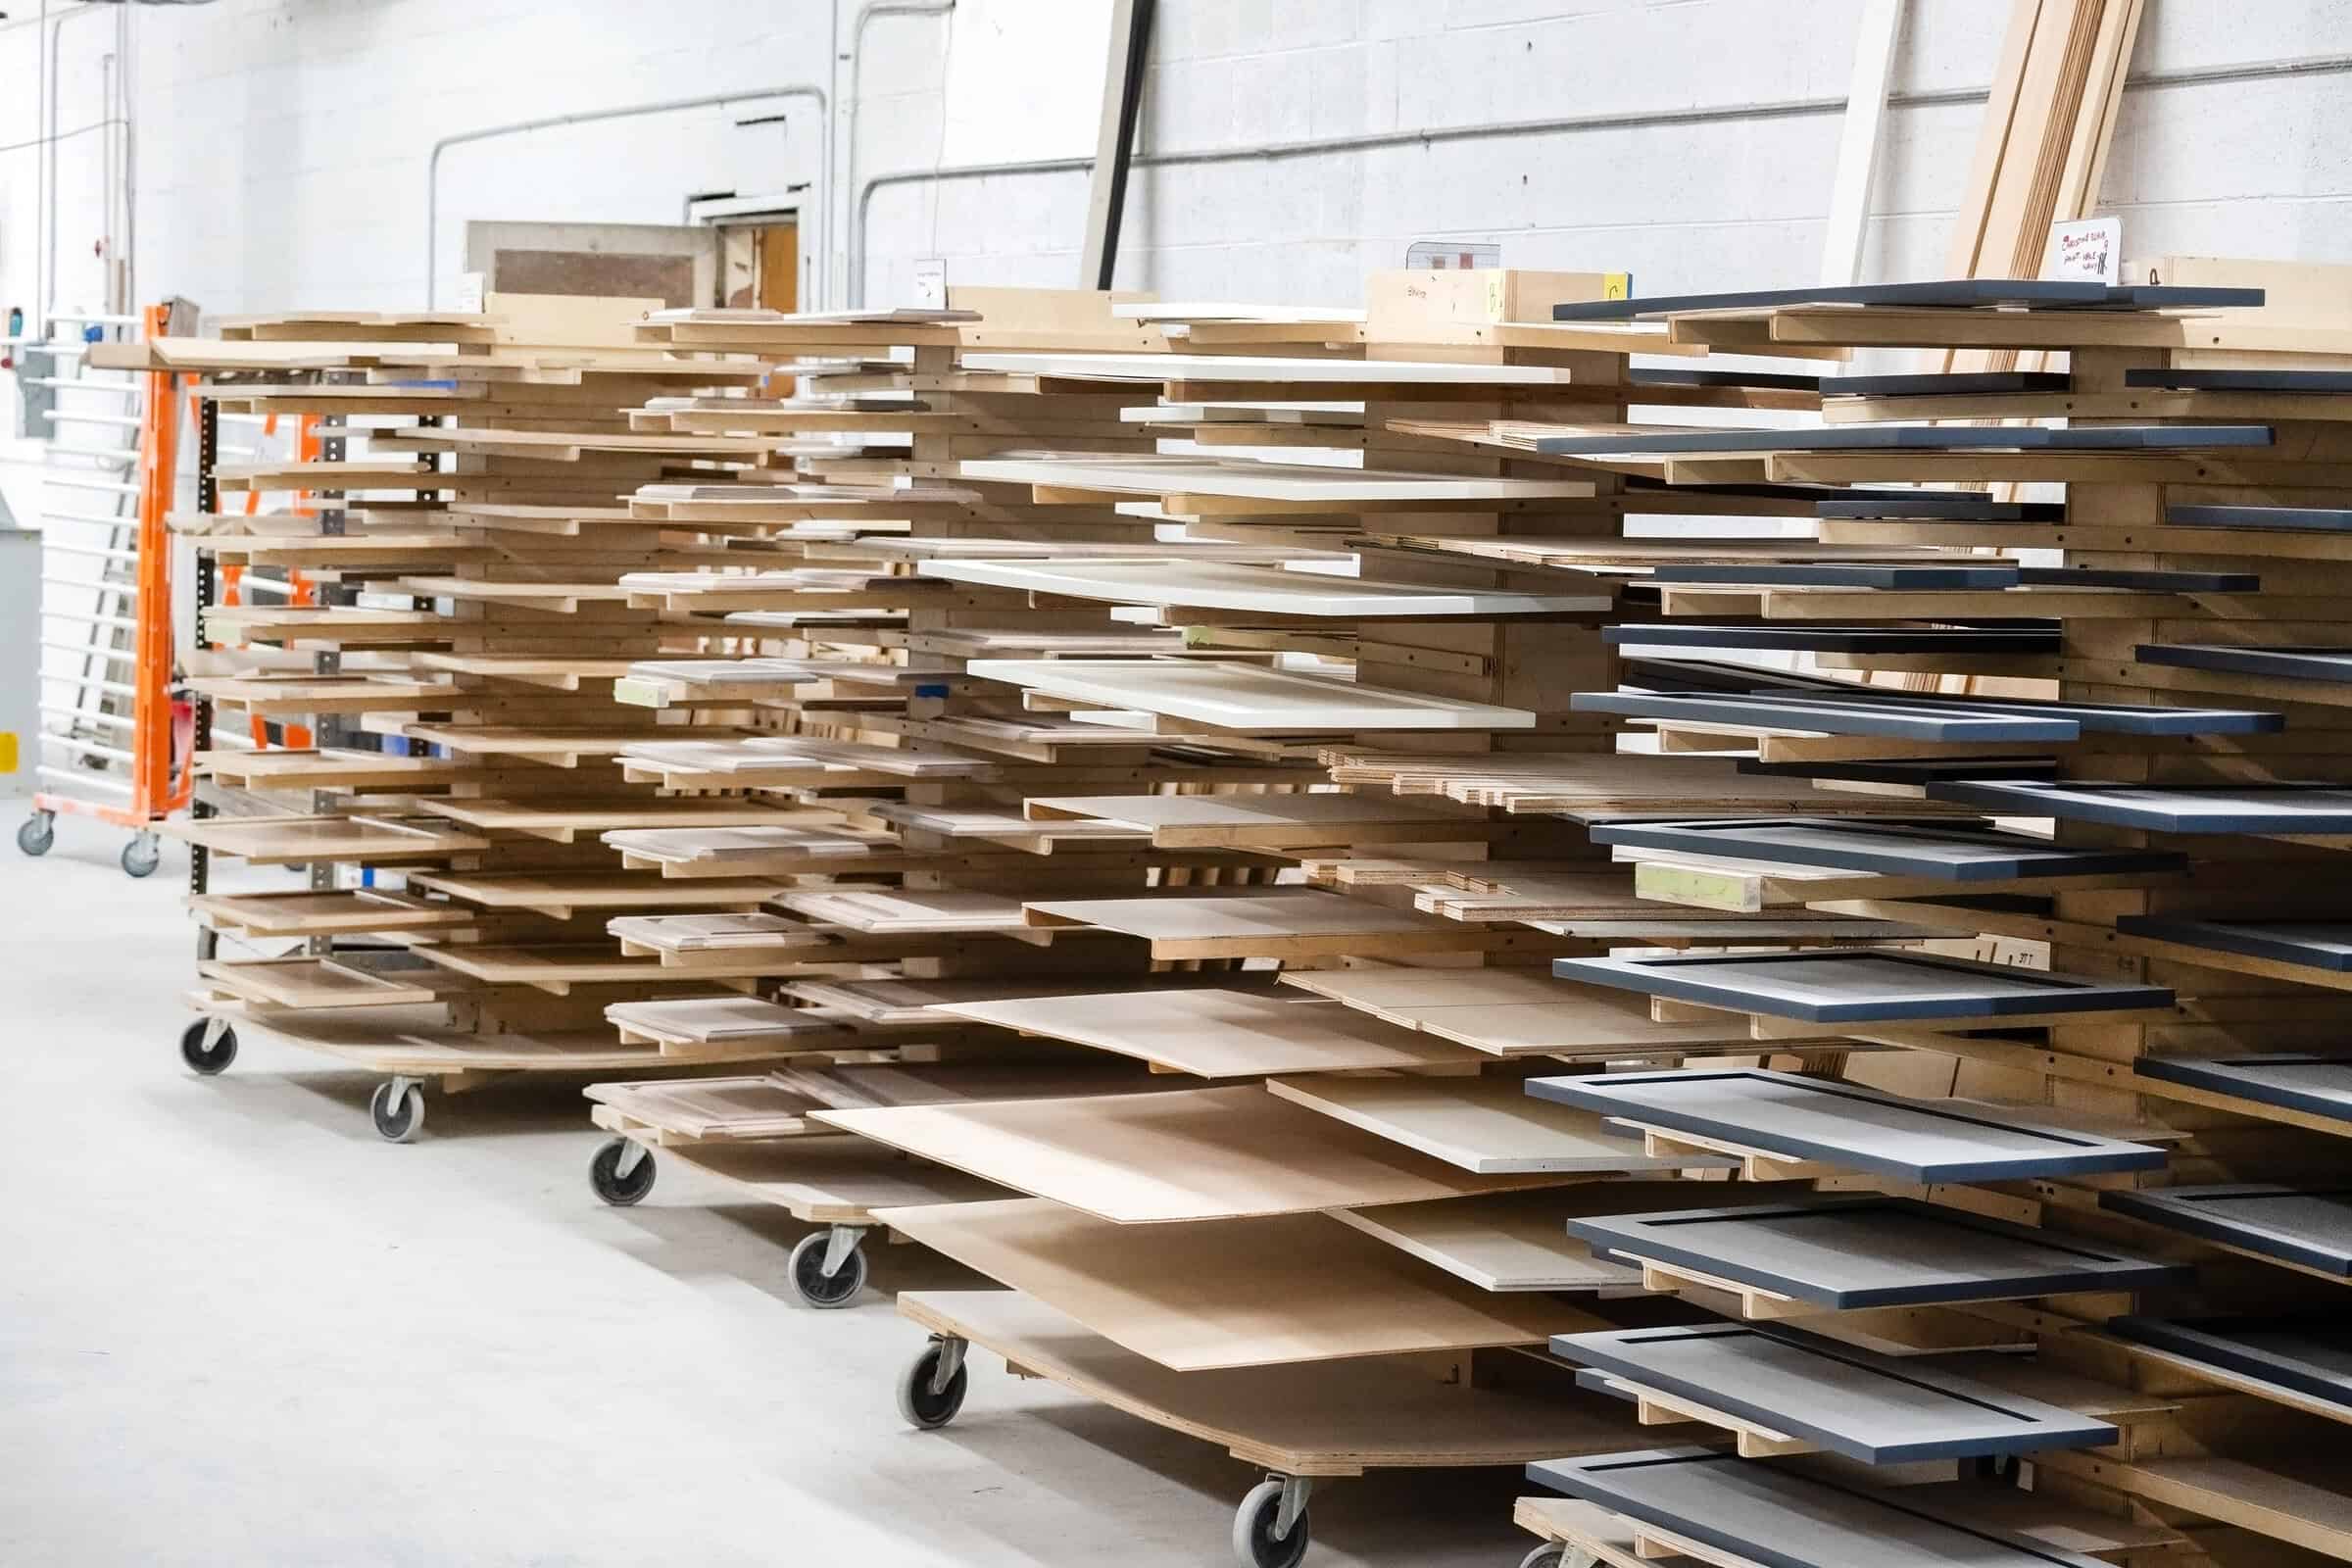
(1299, 1423)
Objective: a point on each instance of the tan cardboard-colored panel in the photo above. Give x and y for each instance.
(1488, 1125)
(1216, 1032)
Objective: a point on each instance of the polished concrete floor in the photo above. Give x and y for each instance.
(236, 1328)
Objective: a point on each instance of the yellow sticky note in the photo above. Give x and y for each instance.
(8, 751)
(1617, 286)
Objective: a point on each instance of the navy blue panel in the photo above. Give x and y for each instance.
(2309, 519)
(1838, 986)
(2242, 380)
(1957, 293)
(2288, 663)
(2155, 582)
(2280, 808)
(2313, 1228)
(2311, 1355)
(1778, 381)
(2317, 1082)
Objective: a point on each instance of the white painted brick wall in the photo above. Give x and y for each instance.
(282, 143)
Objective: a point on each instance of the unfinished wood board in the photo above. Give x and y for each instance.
(1864, 986)
(1274, 923)
(1303, 1420)
(1215, 1033)
(307, 914)
(1266, 821)
(1242, 697)
(908, 910)
(1487, 1126)
(2298, 1498)
(1262, 590)
(1255, 367)
(1183, 1154)
(877, 1085)
(1841, 1253)
(700, 1109)
(1514, 1240)
(706, 1019)
(1870, 1407)
(832, 1181)
(1235, 1292)
(1783, 1518)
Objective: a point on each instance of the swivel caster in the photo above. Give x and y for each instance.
(396, 1107)
(1270, 1528)
(38, 833)
(1552, 1554)
(209, 1046)
(621, 1172)
(931, 1390)
(141, 855)
(828, 1267)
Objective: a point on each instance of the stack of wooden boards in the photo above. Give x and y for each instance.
(1359, 726)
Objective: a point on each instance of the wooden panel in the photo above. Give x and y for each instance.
(1216, 1032)
(1230, 1294)
(1244, 697)
(1487, 1126)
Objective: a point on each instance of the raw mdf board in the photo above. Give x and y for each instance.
(1519, 1012)
(832, 1181)
(1249, 921)
(910, 910)
(709, 1107)
(1213, 585)
(1849, 1126)
(1279, 484)
(710, 933)
(1211, 821)
(2290, 663)
(1186, 1155)
(1874, 1408)
(2298, 1080)
(307, 914)
(1862, 985)
(1256, 368)
(1780, 1517)
(1516, 1241)
(2280, 808)
(1310, 1419)
(1234, 1294)
(2317, 944)
(2311, 1229)
(875, 1085)
(1486, 1125)
(1242, 697)
(2309, 1355)
(1896, 849)
(1849, 1252)
(903, 1000)
(688, 845)
(711, 1018)
(1217, 1032)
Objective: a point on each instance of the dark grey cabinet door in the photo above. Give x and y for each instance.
(1958, 852)
(1846, 1125)
(1879, 1409)
(2311, 1355)
(2320, 944)
(1860, 986)
(2313, 1228)
(2286, 663)
(2298, 1080)
(2286, 808)
(1788, 1518)
(1847, 1252)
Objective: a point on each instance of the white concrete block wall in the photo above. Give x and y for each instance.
(284, 144)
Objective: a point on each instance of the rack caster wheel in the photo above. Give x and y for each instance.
(1270, 1528)
(209, 1046)
(141, 855)
(931, 1390)
(396, 1107)
(828, 1267)
(38, 833)
(621, 1172)
(1549, 1555)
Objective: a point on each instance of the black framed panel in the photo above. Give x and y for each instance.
(2313, 1228)
(1942, 506)
(2295, 1080)
(2034, 638)
(1866, 985)
(1959, 384)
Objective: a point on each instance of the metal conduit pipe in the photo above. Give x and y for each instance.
(1786, 109)
(432, 172)
(867, 16)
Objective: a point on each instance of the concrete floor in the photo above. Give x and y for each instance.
(236, 1327)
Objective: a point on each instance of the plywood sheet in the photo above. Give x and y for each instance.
(1487, 1126)
(1521, 1013)
(1218, 822)
(1262, 590)
(1183, 1154)
(1514, 1240)
(831, 1181)
(1236, 1293)
(1244, 697)
(1215, 1033)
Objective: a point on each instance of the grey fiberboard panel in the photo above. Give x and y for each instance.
(1913, 438)
(2313, 1228)
(1845, 1254)
(1859, 985)
(2311, 1355)
(1877, 1409)
(2280, 808)
(1959, 854)
(1787, 1518)
(2297, 1080)
(2242, 380)
(1943, 505)
(1885, 720)
(2288, 664)
(1863, 639)
(1912, 770)
(2312, 519)
(2064, 294)
(1846, 1125)
(2314, 944)
(1962, 384)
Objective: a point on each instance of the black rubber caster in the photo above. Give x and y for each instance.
(1254, 1542)
(814, 1285)
(603, 1173)
(924, 1405)
(204, 1059)
(141, 855)
(38, 833)
(397, 1121)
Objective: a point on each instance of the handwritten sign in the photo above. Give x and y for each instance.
(2088, 250)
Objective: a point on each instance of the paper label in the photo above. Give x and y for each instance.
(930, 284)
(2089, 250)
